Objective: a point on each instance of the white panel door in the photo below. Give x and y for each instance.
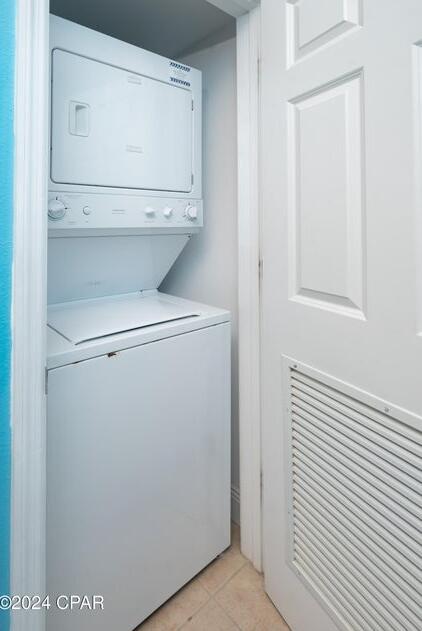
(342, 312)
(112, 127)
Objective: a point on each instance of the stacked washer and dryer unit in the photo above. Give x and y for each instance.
(138, 430)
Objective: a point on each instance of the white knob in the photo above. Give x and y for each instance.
(149, 211)
(87, 210)
(191, 213)
(167, 212)
(56, 209)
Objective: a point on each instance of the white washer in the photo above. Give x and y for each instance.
(138, 452)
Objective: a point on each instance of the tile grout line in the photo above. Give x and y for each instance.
(217, 591)
(211, 595)
(226, 583)
(226, 612)
(189, 618)
(203, 607)
(247, 562)
(220, 556)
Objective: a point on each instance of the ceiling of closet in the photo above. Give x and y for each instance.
(168, 27)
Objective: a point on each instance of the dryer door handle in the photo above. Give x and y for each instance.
(79, 118)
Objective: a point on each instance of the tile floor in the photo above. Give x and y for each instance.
(227, 595)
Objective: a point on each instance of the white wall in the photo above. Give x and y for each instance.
(207, 269)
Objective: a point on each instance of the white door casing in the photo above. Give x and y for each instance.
(27, 546)
(341, 312)
(247, 49)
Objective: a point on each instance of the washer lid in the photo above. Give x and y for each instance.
(85, 320)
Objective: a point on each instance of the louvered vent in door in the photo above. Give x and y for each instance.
(356, 502)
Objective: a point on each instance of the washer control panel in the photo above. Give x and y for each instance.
(98, 212)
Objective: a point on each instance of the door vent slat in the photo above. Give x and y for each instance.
(359, 482)
(355, 502)
(377, 533)
(366, 459)
(374, 607)
(375, 551)
(407, 450)
(389, 593)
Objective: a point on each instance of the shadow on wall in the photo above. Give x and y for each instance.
(206, 271)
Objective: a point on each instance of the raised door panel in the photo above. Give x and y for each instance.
(312, 24)
(326, 207)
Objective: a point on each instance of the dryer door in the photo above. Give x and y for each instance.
(115, 128)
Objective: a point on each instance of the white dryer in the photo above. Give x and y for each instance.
(138, 452)
(125, 137)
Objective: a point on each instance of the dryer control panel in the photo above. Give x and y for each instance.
(99, 212)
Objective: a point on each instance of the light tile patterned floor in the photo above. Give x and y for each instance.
(227, 595)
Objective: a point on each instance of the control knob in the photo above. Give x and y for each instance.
(56, 209)
(191, 213)
(167, 212)
(149, 211)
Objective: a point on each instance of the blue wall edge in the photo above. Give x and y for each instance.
(7, 39)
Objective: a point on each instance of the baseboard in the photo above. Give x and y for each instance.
(235, 504)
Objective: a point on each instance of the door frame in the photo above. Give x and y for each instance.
(28, 493)
(27, 562)
(249, 281)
